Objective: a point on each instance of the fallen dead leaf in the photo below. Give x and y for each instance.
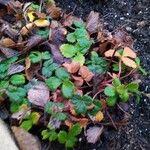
(72, 67)
(129, 62)
(7, 42)
(93, 134)
(42, 23)
(92, 22)
(85, 73)
(25, 140)
(128, 52)
(39, 94)
(78, 81)
(27, 28)
(54, 11)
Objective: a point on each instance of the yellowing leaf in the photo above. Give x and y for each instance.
(129, 62)
(99, 116)
(42, 23)
(26, 29)
(31, 16)
(110, 53)
(129, 53)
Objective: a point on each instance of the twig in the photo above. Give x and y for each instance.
(111, 120)
(122, 109)
(98, 93)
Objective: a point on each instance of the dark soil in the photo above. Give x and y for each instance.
(134, 16)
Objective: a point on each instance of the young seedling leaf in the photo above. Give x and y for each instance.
(110, 91)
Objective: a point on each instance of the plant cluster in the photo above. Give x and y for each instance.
(65, 96)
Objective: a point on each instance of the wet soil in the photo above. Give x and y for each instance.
(134, 16)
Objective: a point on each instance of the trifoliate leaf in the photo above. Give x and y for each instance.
(68, 50)
(109, 91)
(62, 137)
(67, 89)
(53, 83)
(111, 101)
(27, 125)
(62, 74)
(17, 79)
(79, 58)
(133, 87)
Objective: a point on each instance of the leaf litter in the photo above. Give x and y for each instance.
(67, 72)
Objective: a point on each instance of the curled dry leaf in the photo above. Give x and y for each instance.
(7, 42)
(128, 52)
(27, 28)
(93, 134)
(25, 140)
(111, 52)
(72, 67)
(78, 81)
(42, 23)
(85, 73)
(39, 94)
(129, 62)
(92, 23)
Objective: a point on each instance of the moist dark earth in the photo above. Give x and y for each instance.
(134, 16)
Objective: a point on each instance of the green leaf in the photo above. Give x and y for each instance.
(79, 104)
(16, 94)
(62, 73)
(110, 91)
(79, 58)
(27, 125)
(79, 24)
(46, 55)
(60, 116)
(4, 84)
(71, 142)
(116, 82)
(124, 96)
(68, 50)
(121, 89)
(35, 116)
(111, 101)
(43, 33)
(53, 83)
(35, 57)
(14, 107)
(71, 37)
(62, 137)
(17, 79)
(45, 134)
(87, 100)
(75, 130)
(133, 87)
(53, 135)
(67, 89)
(81, 33)
(97, 107)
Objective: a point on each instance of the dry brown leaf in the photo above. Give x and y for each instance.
(7, 42)
(92, 23)
(40, 15)
(72, 67)
(93, 134)
(39, 94)
(27, 28)
(68, 123)
(129, 62)
(99, 116)
(54, 11)
(78, 81)
(25, 140)
(128, 52)
(83, 122)
(110, 53)
(85, 73)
